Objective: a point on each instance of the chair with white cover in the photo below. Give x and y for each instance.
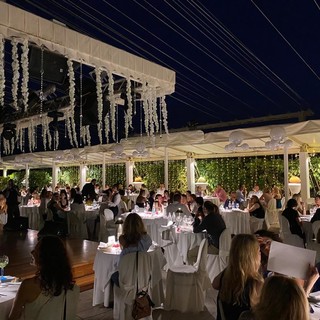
(77, 221)
(256, 224)
(271, 216)
(107, 225)
(286, 235)
(124, 295)
(186, 285)
(315, 228)
(216, 263)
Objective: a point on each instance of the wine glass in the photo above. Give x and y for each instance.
(4, 260)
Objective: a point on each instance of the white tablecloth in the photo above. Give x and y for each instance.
(214, 200)
(237, 221)
(105, 265)
(187, 240)
(153, 223)
(32, 212)
(7, 295)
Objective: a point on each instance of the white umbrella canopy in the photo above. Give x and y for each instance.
(178, 145)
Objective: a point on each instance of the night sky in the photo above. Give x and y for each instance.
(233, 59)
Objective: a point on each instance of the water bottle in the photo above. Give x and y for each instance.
(229, 205)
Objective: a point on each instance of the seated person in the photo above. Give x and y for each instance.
(316, 216)
(232, 202)
(214, 224)
(255, 192)
(220, 193)
(255, 208)
(277, 195)
(57, 211)
(178, 206)
(293, 217)
(52, 290)
(141, 201)
(301, 208)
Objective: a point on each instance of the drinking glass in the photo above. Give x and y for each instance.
(4, 260)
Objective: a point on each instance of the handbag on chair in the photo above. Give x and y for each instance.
(142, 305)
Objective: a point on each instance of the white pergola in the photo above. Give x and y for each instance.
(188, 145)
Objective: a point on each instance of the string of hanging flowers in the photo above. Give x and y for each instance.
(25, 73)
(163, 106)
(72, 101)
(128, 118)
(112, 101)
(15, 73)
(2, 75)
(100, 103)
(145, 105)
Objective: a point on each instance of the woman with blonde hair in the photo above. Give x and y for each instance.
(240, 283)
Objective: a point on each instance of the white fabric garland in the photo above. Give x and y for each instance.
(2, 74)
(100, 103)
(72, 100)
(112, 101)
(163, 106)
(15, 73)
(69, 128)
(128, 118)
(107, 127)
(25, 73)
(56, 139)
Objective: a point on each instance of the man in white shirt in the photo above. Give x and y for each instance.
(161, 189)
(255, 192)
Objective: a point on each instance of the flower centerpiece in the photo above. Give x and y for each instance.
(137, 182)
(202, 183)
(294, 184)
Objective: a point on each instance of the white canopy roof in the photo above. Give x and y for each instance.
(179, 145)
(18, 23)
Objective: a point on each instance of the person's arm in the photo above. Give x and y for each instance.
(28, 292)
(199, 226)
(216, 283)
(312, 278)
(58, 207)
(254, 207)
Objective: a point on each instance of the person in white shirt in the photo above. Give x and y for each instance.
(255, 192)
(161, 189)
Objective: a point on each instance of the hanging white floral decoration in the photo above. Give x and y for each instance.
(128, 118)
(112, 101)
(153, 111)
(15, 73)
(145, 106)
(100, 103)
(25, 73)
(72, 101)
(56, 139)
(69, 127)
(2, 75)
(163, 106)
(107, 127)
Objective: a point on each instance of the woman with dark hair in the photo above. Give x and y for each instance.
(51, 294)
(292, 216)
(73, 193)
(134, 237)
(64, 203)
(199, 210)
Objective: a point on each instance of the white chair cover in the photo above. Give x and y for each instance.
(186, 285)
(286, 235)
(107, 225)
(315, 228)
(3, 218)
(218, 262)
(124, 295)
(77, 221)
(255, 224)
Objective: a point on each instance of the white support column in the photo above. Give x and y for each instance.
(5, 172)
(83, 175)
(190, 172)
(104, 172)
(166, 168)
(55, 171)
(129, 172)
(27, 175)
(286, 173)
(304, 174)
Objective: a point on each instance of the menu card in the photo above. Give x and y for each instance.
(290, 260)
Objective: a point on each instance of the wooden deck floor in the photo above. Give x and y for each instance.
(18, 245)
